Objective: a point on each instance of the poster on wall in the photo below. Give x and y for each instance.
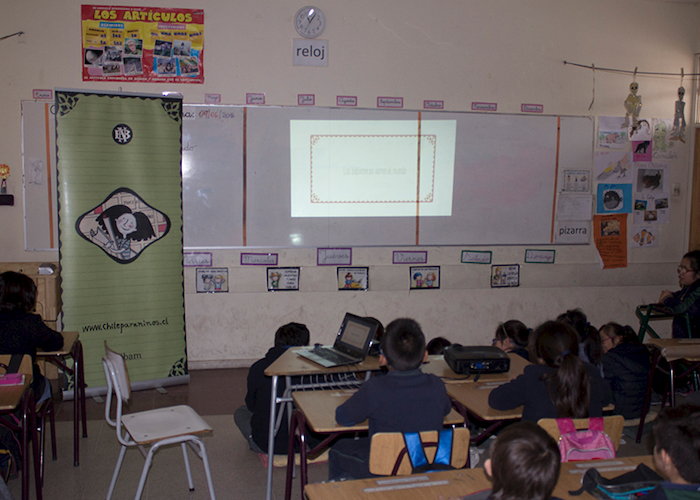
(142, 44)
(120, 230)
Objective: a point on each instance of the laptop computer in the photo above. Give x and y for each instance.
(351, 344)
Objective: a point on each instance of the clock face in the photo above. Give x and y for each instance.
(309, 22)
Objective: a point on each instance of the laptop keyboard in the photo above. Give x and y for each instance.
(331, 355)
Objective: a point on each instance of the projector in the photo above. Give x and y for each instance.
(476, 359)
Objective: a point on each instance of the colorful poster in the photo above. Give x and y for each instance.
(610, 236)
(142, 44)
(120, 230)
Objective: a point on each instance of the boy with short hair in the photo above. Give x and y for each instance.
(253, 418)
(677, 453)
(524, 465)
(404, 400)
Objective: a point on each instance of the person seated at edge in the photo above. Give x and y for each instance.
(512, 336)
(685, 300)
(626, 366)
(590, 349)
(677, 453)
(253, 419)
(437, 346)
(21, 331)
(559, 385)
(404, 400)
(524, 465)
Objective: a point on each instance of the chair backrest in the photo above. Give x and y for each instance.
(612, 426)
(25, 367)
(389, 447)
(122, 386)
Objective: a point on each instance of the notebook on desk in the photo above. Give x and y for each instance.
(351, 344)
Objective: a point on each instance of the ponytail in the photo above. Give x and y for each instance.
(556, 344)
(570, 388)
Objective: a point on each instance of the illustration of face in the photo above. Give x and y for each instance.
(634, 87)
(126, 224)
(218, 279)
(681, 93)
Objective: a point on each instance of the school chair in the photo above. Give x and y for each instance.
(150, 430)
(612, 426)
(388, 454)
(653, 312)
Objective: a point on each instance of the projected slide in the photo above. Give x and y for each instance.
(362, 168)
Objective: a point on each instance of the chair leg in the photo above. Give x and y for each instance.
(187, 466)
(144, 472)
(117, 468)
(198, 446)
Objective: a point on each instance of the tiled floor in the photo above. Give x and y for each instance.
(237, 472)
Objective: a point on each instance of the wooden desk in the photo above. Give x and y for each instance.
(457, 483)
(473, 399)
(72, 347)
(288, 365)
(672, 350)
(572, 472)
(317, 409)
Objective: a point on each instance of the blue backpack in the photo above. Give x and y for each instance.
(416, 452)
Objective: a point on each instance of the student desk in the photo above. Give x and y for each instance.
(673, 350)
(473, 399)
(457, 483)
(72, 347)
(317, 410)
(288, 365)
(12, 396)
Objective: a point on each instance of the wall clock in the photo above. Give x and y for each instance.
(309, 22)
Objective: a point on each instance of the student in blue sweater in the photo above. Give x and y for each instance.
(559, 384)
(403, 400)
(677, 453)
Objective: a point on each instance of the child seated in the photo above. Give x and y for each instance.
(677, 453)
(560, 385)
(626, 368)
(253, 418)
(437, 345)
(404, 400)
(512, 336)
(21, 331)
(524, 464)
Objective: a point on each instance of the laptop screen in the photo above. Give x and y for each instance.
(355, 335)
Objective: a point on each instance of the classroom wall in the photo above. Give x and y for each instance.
(505, 51)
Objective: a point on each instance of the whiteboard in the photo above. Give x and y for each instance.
(236, 179)
(212, 176)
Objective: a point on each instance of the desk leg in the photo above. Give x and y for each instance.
(35, 447)
(647, 398)
(271, 436)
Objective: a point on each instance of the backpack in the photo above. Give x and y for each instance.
(416, 452)
(588, 444)
(628, 486)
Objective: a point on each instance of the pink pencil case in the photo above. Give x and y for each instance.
(11, 379)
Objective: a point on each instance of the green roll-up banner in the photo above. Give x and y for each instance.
(120, 230)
